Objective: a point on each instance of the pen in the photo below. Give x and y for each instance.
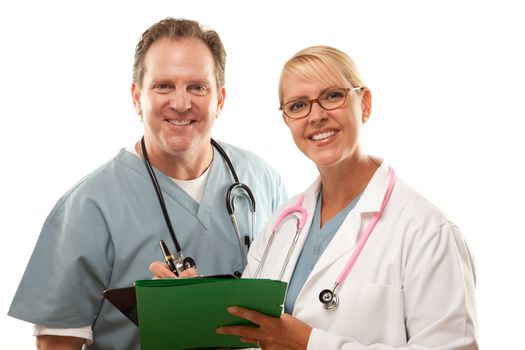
(168, 257)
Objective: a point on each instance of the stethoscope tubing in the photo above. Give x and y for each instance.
(290, 250)
(328, 297)
(301, 215)
(243, 189)
(162, 203)
(359, 247)
(230, 199)
(239, 238)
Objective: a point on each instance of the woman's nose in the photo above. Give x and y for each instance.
(317, 113)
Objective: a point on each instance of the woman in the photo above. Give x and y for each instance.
(411, 285)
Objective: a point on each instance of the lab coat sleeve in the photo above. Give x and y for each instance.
(438, 294)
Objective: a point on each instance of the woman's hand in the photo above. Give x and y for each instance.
(159, 269)
(286, 332)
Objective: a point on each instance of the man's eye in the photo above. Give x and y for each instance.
(198, 90)
(162, 88)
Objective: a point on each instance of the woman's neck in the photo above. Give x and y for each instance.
(343, 182)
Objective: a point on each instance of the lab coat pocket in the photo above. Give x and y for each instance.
(376, 312)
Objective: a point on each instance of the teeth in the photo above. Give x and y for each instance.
(323, 135)
(179, 122)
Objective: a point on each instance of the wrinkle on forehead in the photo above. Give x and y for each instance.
(184, 59)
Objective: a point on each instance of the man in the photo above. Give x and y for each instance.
(105, 231)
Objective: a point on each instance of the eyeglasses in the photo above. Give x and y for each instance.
(328, 100)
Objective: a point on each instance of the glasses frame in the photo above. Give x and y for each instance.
(311, 102)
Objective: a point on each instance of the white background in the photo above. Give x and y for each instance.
(447, 82)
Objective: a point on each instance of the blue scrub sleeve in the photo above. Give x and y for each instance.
(63, 283)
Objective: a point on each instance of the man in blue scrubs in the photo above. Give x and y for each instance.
(105, 231)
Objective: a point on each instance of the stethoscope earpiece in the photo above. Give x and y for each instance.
(329, 299)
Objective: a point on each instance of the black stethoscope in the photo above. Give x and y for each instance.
(181, 262)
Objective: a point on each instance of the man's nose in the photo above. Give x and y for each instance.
(180, 100)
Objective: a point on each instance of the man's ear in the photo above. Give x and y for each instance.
(135, 95)
(220, 100)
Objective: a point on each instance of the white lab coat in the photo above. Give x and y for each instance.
(412, 286)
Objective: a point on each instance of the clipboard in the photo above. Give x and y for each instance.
(125, 300)
(184, 313)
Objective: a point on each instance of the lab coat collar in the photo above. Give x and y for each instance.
(346, 238)
(371, 199)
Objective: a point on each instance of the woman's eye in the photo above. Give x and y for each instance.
(297, 106)
(333, 95)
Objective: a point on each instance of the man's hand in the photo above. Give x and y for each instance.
(159, 269)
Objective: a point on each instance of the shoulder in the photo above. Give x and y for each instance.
(409, 202)
(99, 183)
(247, 161)
(418, 222)
(240, 153)
(85, 212)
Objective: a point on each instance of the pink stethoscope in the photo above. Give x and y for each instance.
(327, 297)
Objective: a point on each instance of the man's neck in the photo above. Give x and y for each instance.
(183, 166)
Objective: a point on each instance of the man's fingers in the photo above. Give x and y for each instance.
(191, 272)
(160, 270)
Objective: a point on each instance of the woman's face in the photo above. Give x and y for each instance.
(328, 138)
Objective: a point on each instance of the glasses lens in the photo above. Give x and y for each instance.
(297, 108)
(332, 99)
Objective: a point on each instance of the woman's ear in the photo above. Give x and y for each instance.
(366, 105)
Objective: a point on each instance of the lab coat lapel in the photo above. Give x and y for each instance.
(352, 227)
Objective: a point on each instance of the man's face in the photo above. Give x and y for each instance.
(178, 100)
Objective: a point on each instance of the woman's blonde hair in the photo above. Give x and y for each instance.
(314, 62)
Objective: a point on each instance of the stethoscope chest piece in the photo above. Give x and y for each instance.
(188, 262)
(329, 299)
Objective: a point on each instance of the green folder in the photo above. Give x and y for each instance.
(184, 313)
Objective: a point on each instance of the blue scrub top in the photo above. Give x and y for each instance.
(105, 231)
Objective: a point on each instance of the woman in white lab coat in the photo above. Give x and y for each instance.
(412, 285)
